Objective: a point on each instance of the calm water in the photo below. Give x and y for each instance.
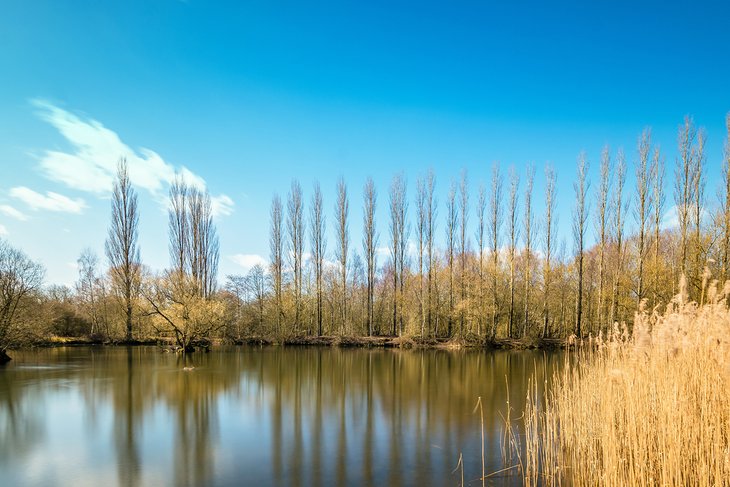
(256, 416)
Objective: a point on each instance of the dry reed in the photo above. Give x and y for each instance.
(646, 408)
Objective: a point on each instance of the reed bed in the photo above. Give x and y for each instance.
(646, 408)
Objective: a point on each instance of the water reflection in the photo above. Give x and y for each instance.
(270, 416)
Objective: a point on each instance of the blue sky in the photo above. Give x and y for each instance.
(248, 95)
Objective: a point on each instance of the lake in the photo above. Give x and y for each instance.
(105, 416)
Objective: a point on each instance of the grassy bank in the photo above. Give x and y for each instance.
(650, 408)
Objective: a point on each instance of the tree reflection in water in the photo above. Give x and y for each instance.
(282, 416)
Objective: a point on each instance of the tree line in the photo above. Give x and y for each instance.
(514, 277)
(502, 271)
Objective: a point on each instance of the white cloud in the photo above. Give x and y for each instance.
(412, 249)
(308, 259)
(329, 264)
(3, 230)
(248, 261)
(8, 210)
(192, 178)
(222, 205)
(670, 219)
(51, 201)
(382, 251)
(96, 150)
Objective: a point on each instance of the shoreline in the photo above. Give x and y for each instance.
(408, 343)
(405, 343)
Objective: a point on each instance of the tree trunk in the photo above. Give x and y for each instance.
(129, 318)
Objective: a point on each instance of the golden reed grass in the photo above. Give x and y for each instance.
(642, 409)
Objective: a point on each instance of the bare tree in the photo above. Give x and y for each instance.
(370, 243)
(421, 230)
(618, 210)
(481, 222)
(295, 222)
(463, 241)
(642, 210)
(528, 224)
(20, 278)
(404, 230)
(343, 239)
(698, 192)
(237, 286)
(178, 224)
(276, 246)
(550, 222)
(193, 239)
(87, 287)
(657, 172)
(450, 244)
(514, 183)
(210, 249)
(121, 247)
(604, 189)
(203, 245)
(495, 221)
(431, 211)
(397, 244)
(563, 289)
(256, 283)
(726, 205)
(358, 295)
(683, 186)
(176, 305)
(579, 229)
(319, 245)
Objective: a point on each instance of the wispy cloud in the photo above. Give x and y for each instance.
(670, 218)
(221, 205)
(8, 210)
(3, 230)
(96, 150)
(50, 201)
(248, 261)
